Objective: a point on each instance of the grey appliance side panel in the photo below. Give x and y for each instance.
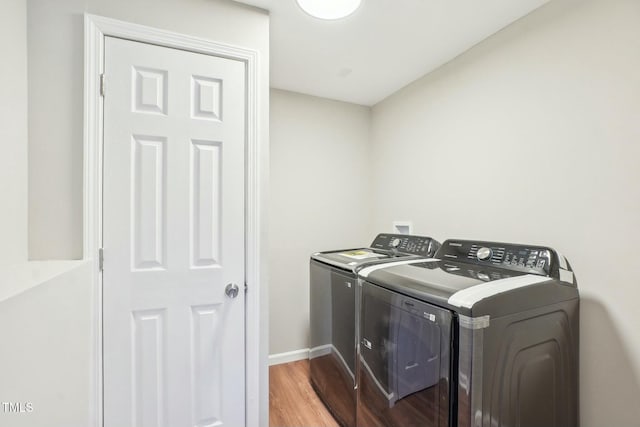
(529, 369)
(343, 312)
(319, 308)
(332, 339)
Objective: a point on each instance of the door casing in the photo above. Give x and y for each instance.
(96, 29)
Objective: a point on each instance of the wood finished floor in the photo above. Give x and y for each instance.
(292, 400)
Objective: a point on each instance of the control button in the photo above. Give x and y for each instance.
(484, 254)
(395, 243)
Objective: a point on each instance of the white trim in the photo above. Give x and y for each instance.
(96, 28)
(474, 323)
(566, 276)
(288, 356)
(562, 260)
(92, 196)
(468, 297)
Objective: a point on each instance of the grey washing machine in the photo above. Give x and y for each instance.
(485, 335)
(334, 306)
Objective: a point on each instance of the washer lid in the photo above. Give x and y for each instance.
(385, 247)
(432, 280)
(354, 259)
(472, 290)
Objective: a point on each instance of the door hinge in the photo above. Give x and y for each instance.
(101, 259)
(102, 84)
(246, 287)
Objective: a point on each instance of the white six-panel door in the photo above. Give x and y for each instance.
(173, 237)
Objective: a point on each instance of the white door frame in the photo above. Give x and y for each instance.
(96, 29)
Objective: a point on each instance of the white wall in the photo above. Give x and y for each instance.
(13, 132)
(319, 186)
(534, 136)
(56, 96)
(46, 344)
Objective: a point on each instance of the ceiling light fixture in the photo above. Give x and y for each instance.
(329, 9)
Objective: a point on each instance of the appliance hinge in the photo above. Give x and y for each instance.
(246, 288)
(101, 259)
(102, 85)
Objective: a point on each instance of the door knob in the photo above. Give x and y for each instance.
(231, 290)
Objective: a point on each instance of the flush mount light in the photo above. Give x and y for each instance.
(329, 9)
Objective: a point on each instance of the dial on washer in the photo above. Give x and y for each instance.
(484, 254)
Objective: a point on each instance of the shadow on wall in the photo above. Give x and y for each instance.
(610, 388)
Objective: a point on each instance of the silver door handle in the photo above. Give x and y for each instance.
(231, 290)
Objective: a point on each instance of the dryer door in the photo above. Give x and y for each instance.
(404, 361)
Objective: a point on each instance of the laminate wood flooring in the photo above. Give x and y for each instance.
(292, 400)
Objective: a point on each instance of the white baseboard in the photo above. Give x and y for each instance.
(289, 356)
(321, 350)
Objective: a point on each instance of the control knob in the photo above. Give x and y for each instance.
(484, 254)
(395, 243)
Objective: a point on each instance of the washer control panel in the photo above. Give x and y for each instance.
(523, 258)
(407, 244)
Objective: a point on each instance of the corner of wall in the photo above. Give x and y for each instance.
(13, 132)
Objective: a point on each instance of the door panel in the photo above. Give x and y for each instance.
(173, 237)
